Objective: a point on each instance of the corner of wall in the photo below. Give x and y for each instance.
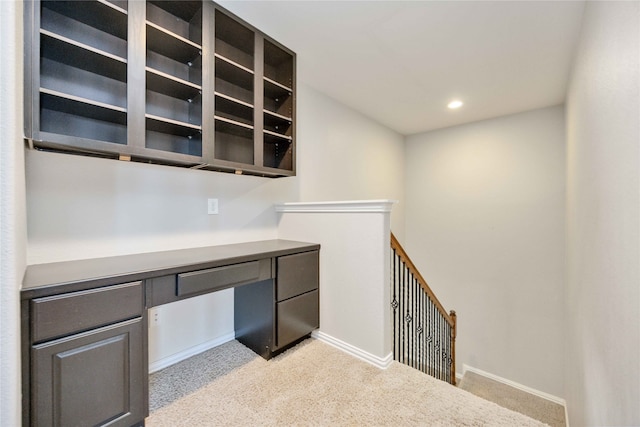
(12, 209)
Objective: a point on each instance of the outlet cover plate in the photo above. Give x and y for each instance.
(212, 206)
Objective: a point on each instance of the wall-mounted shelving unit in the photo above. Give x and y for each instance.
(174, 82)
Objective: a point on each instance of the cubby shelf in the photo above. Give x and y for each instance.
(276, 115)
(233, 122)
(167, 84)
(172, 127)
(171, 45)
(229, 68)
(83, 106)
(70, 52)
(100, 14)
(277, 135)
(232, 99)
(173, 82)
(228, 109)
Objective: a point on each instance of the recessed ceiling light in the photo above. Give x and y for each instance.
(455, 104)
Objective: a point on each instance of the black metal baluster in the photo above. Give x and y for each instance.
(445, 355)
(413, 326)
(437, 345)
(421, 326)
(430, 337)
(449, 370)
(393, 305)
(404, 338)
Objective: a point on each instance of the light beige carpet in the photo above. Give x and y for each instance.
(312, 384)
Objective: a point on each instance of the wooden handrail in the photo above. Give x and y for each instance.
(395, 245)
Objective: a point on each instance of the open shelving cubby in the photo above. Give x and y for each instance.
(234, 91)
(83, 72)
(173, 76)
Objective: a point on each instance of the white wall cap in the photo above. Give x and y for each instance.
(366, 206)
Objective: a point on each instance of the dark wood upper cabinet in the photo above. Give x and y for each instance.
(182, 83)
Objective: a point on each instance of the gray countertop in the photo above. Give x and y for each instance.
(68, 276)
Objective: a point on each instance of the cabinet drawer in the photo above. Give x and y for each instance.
(213, 279)
(297, 274)
(297, 317)
(66, 314)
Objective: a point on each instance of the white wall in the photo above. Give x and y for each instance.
(485, 221)
(346, 156)
(12, 210)
(82, 207)
(603, 220)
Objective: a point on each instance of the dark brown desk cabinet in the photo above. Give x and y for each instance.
(84, 323)
(183, 83)
(87, 364)
(270, 316)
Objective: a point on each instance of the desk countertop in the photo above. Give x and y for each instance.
(68, 276)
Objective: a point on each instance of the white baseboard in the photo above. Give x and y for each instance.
(521, 387)
(191, 351)
(378, 362)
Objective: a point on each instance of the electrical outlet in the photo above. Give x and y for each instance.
(212, 206)
(154, 317)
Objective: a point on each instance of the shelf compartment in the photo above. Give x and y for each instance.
(233, 109)
(190, 72)
(62, 78)
(53, 100)
(82, 118)
(234, 41)
(100, 15)
(278, 64)
(233, 142)
(233, 81)
(278, 152)
(83, 34)
(277, 99)
(167, 84)
(174, 143)
(187, 11)
(160, 105)
(277, 124)
(273, 136)
(172, 127)
(70, 52)
(239, 126)
(171, 45)
(182, 18)
(228, 68)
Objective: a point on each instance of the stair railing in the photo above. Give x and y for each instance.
(424, 334)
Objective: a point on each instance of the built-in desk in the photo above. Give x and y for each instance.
(84, 323)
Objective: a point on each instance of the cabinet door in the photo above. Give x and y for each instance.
(94, 378)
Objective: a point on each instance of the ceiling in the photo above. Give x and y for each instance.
(401, 62)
